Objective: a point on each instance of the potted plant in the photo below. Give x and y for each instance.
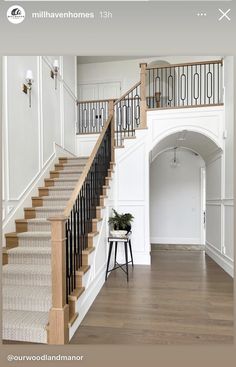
(121, 223)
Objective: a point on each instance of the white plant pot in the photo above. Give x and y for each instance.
(118, 233)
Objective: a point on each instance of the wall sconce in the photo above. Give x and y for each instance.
(54, 72)
(27, 88)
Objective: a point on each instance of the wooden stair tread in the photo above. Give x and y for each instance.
(83, 270)
(92, 234)
(76, 293)
(72, 319)
(88, 250)
(21, 220)
(11, 234)
(96, 220)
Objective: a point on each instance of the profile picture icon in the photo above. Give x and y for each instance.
(16, 14)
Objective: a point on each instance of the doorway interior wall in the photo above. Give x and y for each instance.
(178, 213)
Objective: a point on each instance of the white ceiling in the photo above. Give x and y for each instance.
(187, 139)
(94, 59)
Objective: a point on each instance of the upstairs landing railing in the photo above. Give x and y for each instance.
(189, 85)
(70, 233)
(92, 115)
(184, 85)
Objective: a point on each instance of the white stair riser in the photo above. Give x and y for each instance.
(72, 168)
(33, 259)
(66, 192)
(69, 175)
(26, 279)
(34, 242)
(76, 160)
(61, 183)
(26, 304)
(39, 227)
(24, 335)
(47, 213)
(50, 203)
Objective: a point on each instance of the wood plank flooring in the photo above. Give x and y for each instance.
(183, 298)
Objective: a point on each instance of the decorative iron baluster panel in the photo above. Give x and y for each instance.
(183, 85)
(127, 115)
(79, 223)
(92, 116)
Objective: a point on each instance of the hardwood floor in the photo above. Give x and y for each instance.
(183, 298)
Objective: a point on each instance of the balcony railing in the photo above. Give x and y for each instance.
(92, 116)
(184, 85)
(160, 87)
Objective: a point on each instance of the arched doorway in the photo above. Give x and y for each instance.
(178, 188)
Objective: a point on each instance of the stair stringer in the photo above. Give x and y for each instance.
(94, 279)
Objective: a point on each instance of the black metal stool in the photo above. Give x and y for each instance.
(126, 240)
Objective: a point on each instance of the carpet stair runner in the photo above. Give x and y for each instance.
(27, 274)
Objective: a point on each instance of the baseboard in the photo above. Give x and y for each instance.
(224, 262)
(176, 240)
(188, 247)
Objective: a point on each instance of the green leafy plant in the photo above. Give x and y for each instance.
(121, 221)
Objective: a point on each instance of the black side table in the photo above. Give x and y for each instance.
(126, 241)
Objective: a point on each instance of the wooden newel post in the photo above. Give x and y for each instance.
(143, 102)
(59, 313)
(111, 113)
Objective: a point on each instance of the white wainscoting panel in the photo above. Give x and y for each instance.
(213, 225)
(85, 144)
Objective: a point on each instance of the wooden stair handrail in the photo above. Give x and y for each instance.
(97, 100)
(185, 64)
(88, 165)
(126, 93)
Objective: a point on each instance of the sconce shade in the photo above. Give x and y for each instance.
(56, 64)
(29, 75)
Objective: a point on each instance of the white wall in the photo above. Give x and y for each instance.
(29, 133)
(219, 180)
(175, 198)
(127, 72)
(132, 164)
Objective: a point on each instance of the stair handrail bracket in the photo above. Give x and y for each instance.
(70, 232)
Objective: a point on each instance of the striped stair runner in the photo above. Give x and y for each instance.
(27, 275)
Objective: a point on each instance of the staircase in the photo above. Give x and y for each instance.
(47, 259)
(27, 288)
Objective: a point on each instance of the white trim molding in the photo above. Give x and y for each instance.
(222, 260)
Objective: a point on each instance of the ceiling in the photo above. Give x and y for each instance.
(188, 139)
(94, 59)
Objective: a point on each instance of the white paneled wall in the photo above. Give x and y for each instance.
(219, 214)
(29, 133)
(219, 181)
